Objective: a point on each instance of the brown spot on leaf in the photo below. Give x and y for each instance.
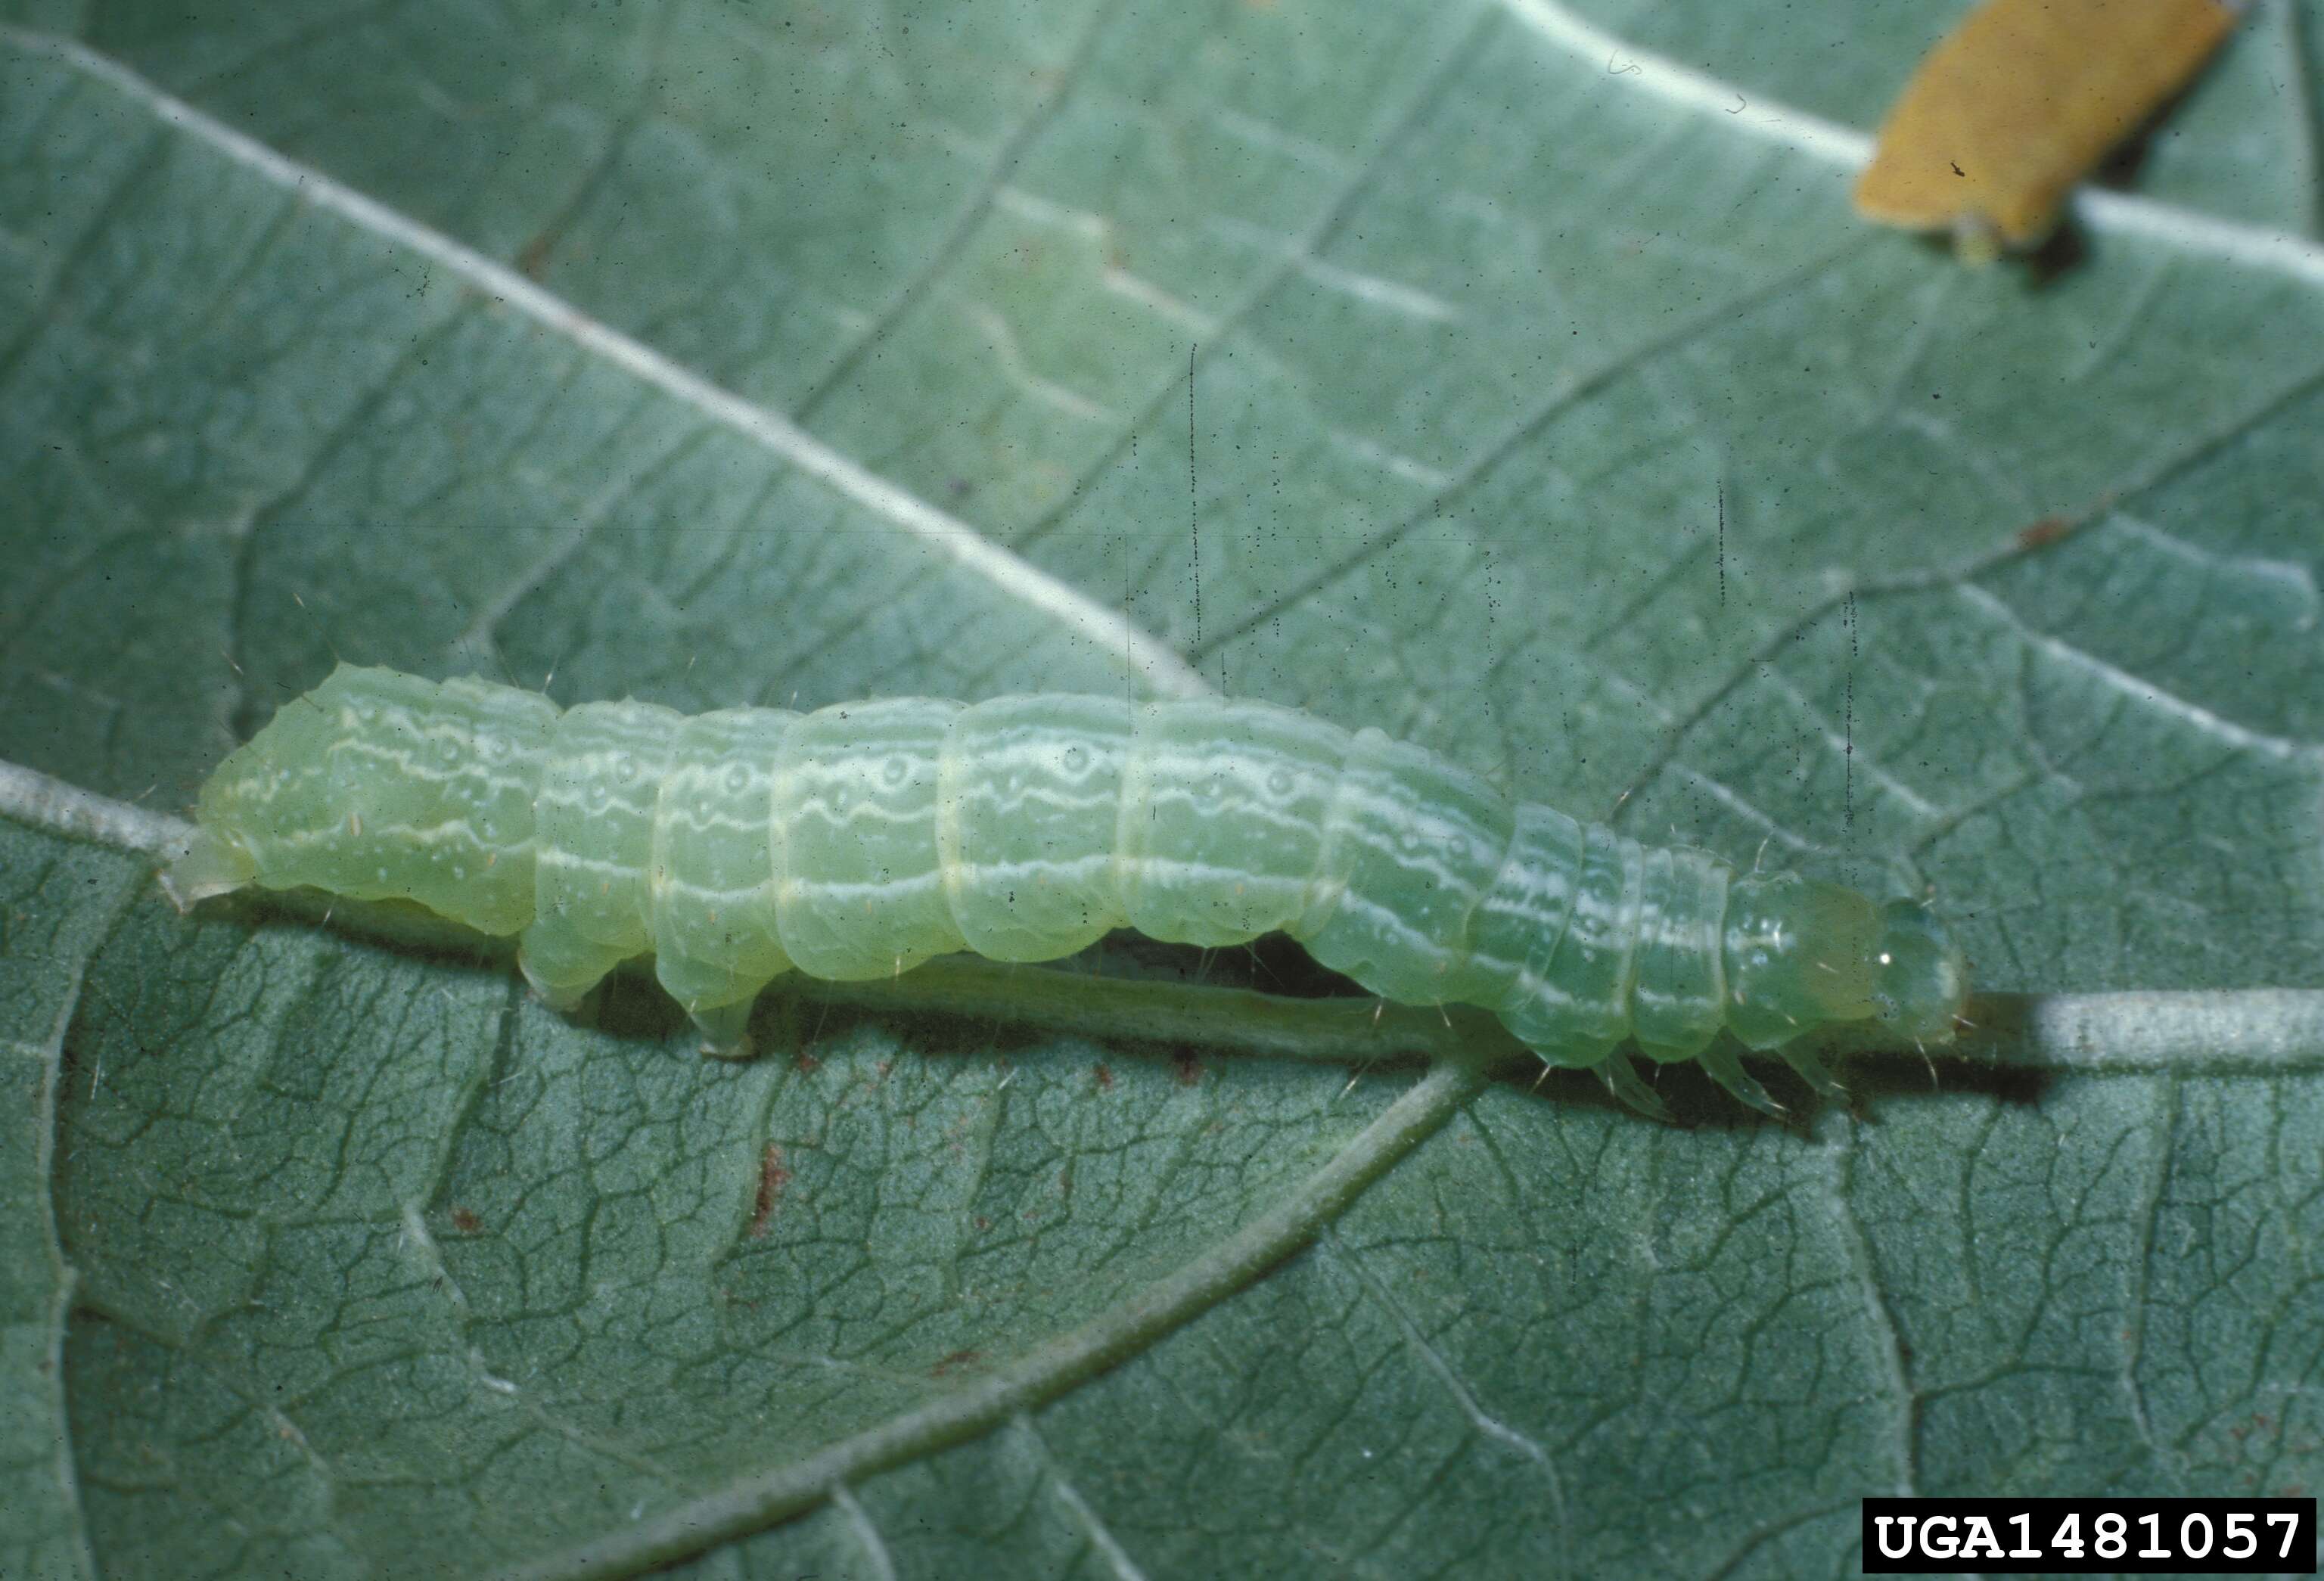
(1189, 1070)
(772, 1178)
(959, 1358)
(1105, 1077)
(465, 1221)
(532, 258)
(2042, 534)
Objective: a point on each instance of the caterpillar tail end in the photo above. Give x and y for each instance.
(212, 864)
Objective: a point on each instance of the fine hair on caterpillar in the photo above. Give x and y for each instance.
(857, 840)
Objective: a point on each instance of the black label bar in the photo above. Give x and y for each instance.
(2066, 1537)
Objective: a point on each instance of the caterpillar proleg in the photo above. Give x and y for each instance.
(859, 839)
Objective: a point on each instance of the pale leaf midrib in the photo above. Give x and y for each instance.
(1160, 668)
(2255, 1031)
(1640, 70)
(761, 1498)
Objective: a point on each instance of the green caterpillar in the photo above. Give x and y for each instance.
(857, 840)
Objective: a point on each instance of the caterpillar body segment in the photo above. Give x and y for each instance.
(857, 840)
(594, 824)
(716, 941)
(1026, 829)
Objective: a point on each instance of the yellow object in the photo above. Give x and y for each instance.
(2019, 103)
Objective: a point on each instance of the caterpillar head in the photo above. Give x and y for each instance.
(1920, 980)
(1802, 954)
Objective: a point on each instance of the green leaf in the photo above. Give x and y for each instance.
(1469, 370)
(54, 905)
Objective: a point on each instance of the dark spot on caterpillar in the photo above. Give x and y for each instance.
(465, 1222)
(772, 1178)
